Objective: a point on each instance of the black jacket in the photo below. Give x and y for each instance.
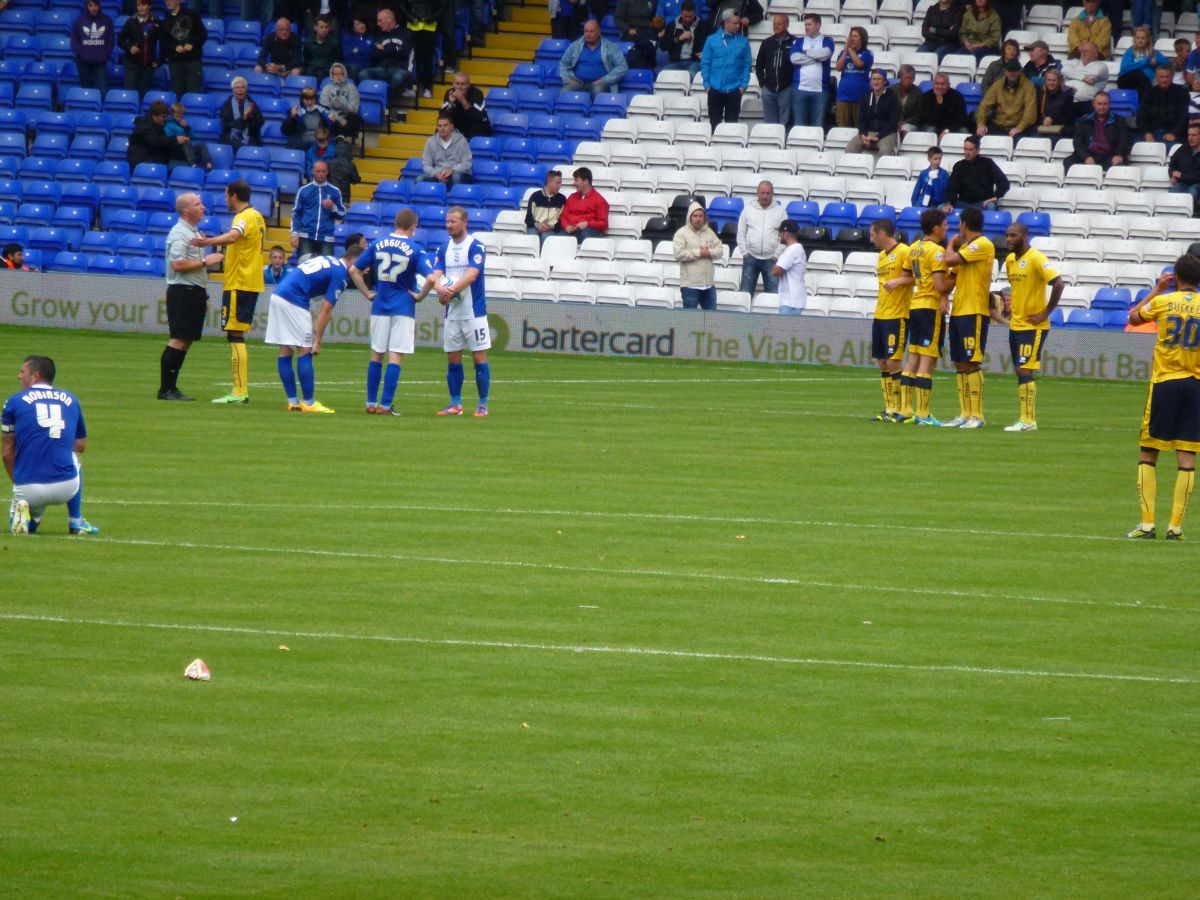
(472, 121)
(941, 26)
(881, 115)
(747, 9)
(949, 115)
(1187, 164)
(289, 53)
(1163, 109)
(1114, 129)
(252, 123)
(184, 27)
(132, 35)
(975, 180)
(773, 65)
(149, 143)
(700, 32)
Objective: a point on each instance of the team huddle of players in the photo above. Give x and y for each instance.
(923, 285)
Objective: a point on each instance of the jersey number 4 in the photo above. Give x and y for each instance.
(49, 416)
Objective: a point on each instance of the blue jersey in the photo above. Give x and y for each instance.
(45, 421)
(396, 260)
(315, 276)
(455, 259)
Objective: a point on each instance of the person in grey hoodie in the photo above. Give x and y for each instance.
(696, 245)
(340, 98)
(447, 156)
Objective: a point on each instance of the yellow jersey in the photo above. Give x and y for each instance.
(1028, 277)
(974, 277)
(243, 258)
(1177, 351)
(892, 264)
(925, 258)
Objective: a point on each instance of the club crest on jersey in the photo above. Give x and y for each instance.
(477, 259)
(1022, 264)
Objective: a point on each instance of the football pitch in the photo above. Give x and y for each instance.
(653, 629)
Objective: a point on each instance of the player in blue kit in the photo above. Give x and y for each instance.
(396, 261)
(290, 324)
(41, 434)
(459, 282)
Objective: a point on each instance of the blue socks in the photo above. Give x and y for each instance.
(374, 373)
(391, 378)
(308, 378)
(287, 377)
(454, 381)
(483, 381)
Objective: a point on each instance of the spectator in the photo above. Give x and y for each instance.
(182, 47)
(1192, 73)
(566, 17)
(148, 142)
(789, 269)
(940, 28)
(258, 11)
(1179, 66)
(878, 120)
(544, 209)
(193, 153)
(1162, 114)
(933, 183)
(758, 238)
(322, 49)
(975, 180)
(1010, 13)
(1010, 106)
(1100, 138)
(357, 47)
(390, 53)
(1086, 75)
(92, 39)
(684, 40)
(633, 18)
(13, 257)
(773, 66)
(423, 17)
(1148, 13)
(447, 156)
(304, 119)
(138, 40)
(321, 151)
(340, 98)
(1056, 105)
(669, 9)
(1090, 25)
(278, 267)
(1184, 167)
(943, 109)
(446, 27)
(908, 95)
(465, 106)
(979, 32)
(696, 245)
(811, 56)
(317, 206)
(725, 68)
(1139, 62)
(748, 12)
(585, 214)
(1040, 62)
(1010, 49)
(241, 119)
(282, 53)
(592, 63)
(854, 82)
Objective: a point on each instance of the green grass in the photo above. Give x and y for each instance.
(654, 628)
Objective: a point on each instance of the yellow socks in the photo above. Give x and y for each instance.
(1183, 493)
(906, 394)
(1147, 484)
(1027, 395)
(974, 391)
(240, 364)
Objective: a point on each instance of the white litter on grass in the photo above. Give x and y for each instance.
(197, 670)
(233, 818)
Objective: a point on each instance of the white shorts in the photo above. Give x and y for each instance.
(288, 325)
(467, 334)
(392, 334)
(39, 496)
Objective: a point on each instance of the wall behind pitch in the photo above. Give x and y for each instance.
(107, 303)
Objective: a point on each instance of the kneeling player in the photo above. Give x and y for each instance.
(290, 325)
(1172, 417)
(891, 314)
(971, 254)
(1029, 273)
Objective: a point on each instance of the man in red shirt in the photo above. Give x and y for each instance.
(585, 214)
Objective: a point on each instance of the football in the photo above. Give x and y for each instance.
(447, 281)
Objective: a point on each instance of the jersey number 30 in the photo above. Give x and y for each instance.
(1182, 332)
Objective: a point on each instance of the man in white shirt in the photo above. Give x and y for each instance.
(1085, 75)
(758, 238)
(789, 269)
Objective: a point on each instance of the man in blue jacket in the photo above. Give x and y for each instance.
(317, 205)
(593, 63)
(725, 68)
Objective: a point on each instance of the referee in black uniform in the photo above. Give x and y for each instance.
(187, 292)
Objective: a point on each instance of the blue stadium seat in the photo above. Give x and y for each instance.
(83, 99)
(274, 107)
(573, 103)
(839, 215)
(135, 245)
(1085, 318)
(362, 213)
(1115, 319)
(149, 175)
(19, 21)
(525, 75)
(611, 105)
(430, 212)
(37, 167)
(244, 31)
(294, 84)
(51, 240)
(55, 21)
(215, 28)
(156, 199)
(218, 56)
(582, 128)
(972, 92)
(872, 212)
(806, 213)
(391, 191)
(468, 195)
(535, 100)
(51, 146)
(373, 100)
(34, 96)
(167, 97)
(13, 120)
(186, 178)
(200, 105)
(216, 179)
(50, 122)
(12, 144)
(24, 47)
(485, 148)
(499, 196)
(41, 190)
(161, 222)
(104, 242)
(119, 101)
(205, 129)
(85, 148)
(105, 265)
(1113, 298)
(9, 166)
(272, 134)
(126, 221)
(34, 215)
(510, 124)
(503, 100)
(262, 85)
(526, 174)
(11, 233)
(57, 48)
(428, 192)
(481, 219)
(222, 155)
(66, 261)
(550, 50)
(516, 149)
(117, 149)
(117, 196)
(554, 152)
(81, 193)
(97, 124)
(11, 191)
(145, 267)
(47, 74)
(8, 212)
(542, 126)
(74, 217)
(1124, 102)
(724, 209)
(995, 224)
(253, 158)
(908, 220)
(1037, 223)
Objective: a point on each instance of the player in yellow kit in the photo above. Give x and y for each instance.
(1029, 274)
(891, 314)
(971, 255)
(931, 287)
(1172, 417)
(243, 282)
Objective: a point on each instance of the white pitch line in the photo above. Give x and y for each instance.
(544, 381)
(636, 573)
(622, 651)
